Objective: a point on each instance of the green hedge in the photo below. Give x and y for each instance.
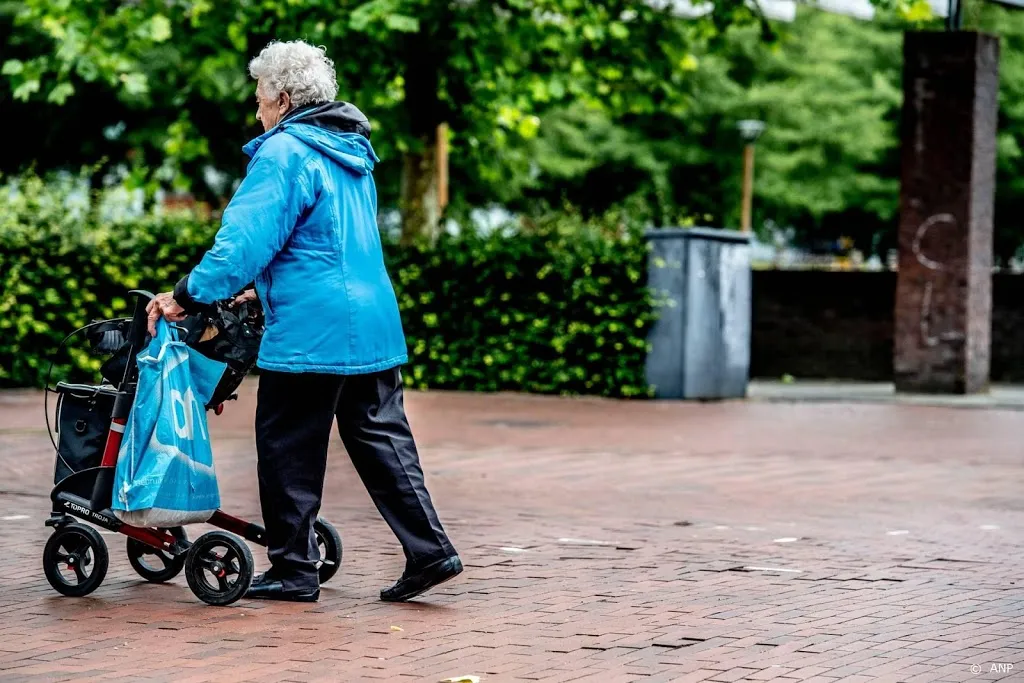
(559, 307)
(562, 307)
(61, 267)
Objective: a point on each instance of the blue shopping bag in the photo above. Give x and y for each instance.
(164, 475)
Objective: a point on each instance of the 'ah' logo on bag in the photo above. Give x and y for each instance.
(189, 405)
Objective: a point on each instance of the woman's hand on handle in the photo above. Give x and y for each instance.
(164, 305)
(247, 295)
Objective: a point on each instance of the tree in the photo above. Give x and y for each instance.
(595, 103)
(176, 70)
(670, 169)
(827, 166)
(828, 163)
(832, 95)
(1009, 210)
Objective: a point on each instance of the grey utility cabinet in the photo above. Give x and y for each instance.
(701, 342)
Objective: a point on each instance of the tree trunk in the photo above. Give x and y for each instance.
(419, 206)
(423, 107)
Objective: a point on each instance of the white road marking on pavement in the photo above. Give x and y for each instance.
(515, 550)
(13, 518)
(774, 569)
(898, 532)
(989, 527)
(787, 539)
(582, 541)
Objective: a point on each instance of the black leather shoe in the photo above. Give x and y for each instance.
(421, 580)
(269, 588)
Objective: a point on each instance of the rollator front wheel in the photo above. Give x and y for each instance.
(75, 560)
(328, 541)
(219, 568)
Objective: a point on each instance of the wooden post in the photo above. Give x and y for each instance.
(748, 187)
(442, 167)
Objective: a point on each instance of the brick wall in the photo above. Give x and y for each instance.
(816, 324)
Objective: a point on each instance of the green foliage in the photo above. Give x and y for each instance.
(1009, 216)
(592, 102)
(557, 306)
(487, 68)
(828, 88)
(827, 165)
(59, 270)
(830, 95)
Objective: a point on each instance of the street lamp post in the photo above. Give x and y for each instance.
(750, 131)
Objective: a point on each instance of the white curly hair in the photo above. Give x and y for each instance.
(297, 68)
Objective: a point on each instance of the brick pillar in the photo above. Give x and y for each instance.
(948, 137)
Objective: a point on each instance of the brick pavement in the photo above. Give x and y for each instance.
(604, 541)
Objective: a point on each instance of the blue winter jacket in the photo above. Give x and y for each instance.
(303, 226)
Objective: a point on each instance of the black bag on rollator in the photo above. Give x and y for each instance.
(224, 332)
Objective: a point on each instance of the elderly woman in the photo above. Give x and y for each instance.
(302, 225)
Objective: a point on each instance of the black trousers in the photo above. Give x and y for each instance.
(294, 416)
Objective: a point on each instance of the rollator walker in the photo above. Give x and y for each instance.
(90, 422)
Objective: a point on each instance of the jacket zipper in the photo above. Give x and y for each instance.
(269, 304)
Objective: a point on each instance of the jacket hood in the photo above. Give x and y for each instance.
(338, 130)
(337, 117)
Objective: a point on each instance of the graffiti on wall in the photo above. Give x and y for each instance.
(935, 263)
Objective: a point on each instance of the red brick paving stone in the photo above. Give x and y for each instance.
(681, 497)
(769, 674)
(607, 677)
(573, 674)
(670, 676)
(697, 676)
(732, 675)
(808, 672)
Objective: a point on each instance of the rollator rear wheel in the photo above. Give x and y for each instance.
(75, 560)
(153, 564)
(329, 542)
(219, 568)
